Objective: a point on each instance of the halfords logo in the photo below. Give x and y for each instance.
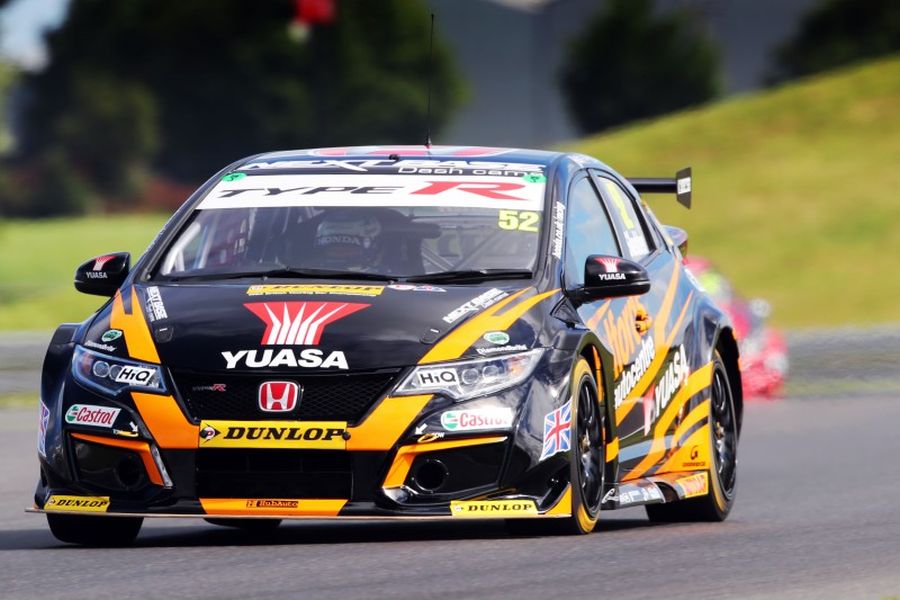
(325, 435)
(77, 503)
(278, 396)
(299, 323)
(485, 509)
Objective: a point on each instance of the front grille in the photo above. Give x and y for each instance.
(344, 397)
(273, 474)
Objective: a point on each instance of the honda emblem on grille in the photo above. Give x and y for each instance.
(279, 396)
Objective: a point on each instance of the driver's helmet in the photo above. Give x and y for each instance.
(348, 239)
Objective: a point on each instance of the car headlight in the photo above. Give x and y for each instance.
(111, 375)
(469, 378)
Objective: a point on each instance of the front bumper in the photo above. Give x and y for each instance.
(396, 462)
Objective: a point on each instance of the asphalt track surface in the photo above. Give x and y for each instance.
(817, 517)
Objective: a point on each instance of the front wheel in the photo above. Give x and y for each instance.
(95, 531)
(587, 463)
(716, 505)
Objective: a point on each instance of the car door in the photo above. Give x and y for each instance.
(645, 333)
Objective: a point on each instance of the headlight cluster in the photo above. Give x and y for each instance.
(470, 378)
(111, 375)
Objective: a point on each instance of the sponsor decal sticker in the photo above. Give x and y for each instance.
(101, 261)
(476, 304)
(557, 431)
(484, 191)
(611, 269)
(95, 416)
(559, 224)
(43, 421)
(480, 509)
(694, 463)
(695, 485)
(104, 347)
(233, 176)
(315, 289)
(111, 335)
(430, 437)
(407, 287)
(294, 324)
(674, 377)
(635, 371)
(278, 396)
(77, 503)
(419, 166)
(432, 377)
(476, 419)
(276, 504)
(156, 310)
(499, 349)
(134, 375)
(497, 337)
(318, 435)
(213, 387)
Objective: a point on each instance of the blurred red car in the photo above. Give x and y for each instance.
(764, 357)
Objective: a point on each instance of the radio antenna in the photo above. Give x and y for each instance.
(430, 77)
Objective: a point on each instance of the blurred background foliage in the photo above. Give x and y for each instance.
(631, 63)
(139, 101)
(181, 89)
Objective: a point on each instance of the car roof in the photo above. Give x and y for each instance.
(442, 153)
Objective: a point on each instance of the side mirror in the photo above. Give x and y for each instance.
(610, 277)
(679, 238)
(103, 275)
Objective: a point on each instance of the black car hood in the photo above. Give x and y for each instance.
(306, 326)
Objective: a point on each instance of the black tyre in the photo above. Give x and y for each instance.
(716, 505)
(588, 452)
(248, 525)
(94, 531)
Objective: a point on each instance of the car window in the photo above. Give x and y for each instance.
(626, 219)
(588, 230)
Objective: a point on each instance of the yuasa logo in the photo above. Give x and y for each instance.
(299, 323)
(278, 396)
(611, 265)
(101, 261)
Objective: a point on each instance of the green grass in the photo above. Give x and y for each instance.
(796, 190)
(38, 261)
(23, 400)
(796, 197)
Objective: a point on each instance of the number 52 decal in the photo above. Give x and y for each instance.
(519, 220)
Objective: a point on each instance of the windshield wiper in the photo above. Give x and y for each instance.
(471, 275)
(288, 273)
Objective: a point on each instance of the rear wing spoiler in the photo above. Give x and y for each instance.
(680, 186)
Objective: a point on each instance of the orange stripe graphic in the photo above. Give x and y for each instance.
(382, 428)
(406, 454)
(699, 380)
(141, 448)
(459, 340)
(134, 327)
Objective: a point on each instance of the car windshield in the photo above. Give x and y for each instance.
(396, 226)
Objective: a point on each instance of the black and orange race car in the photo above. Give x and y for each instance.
(409, 332)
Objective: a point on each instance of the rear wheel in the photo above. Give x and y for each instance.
(248, 525)
(586, 466)
(716, 505)
(94, 531)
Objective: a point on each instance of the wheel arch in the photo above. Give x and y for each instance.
(728, 349)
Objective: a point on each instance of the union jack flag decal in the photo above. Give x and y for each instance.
(557, 431)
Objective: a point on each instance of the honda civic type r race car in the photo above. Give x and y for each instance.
(409, 332)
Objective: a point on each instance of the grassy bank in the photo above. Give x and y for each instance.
(795, 190)
(38, 261)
